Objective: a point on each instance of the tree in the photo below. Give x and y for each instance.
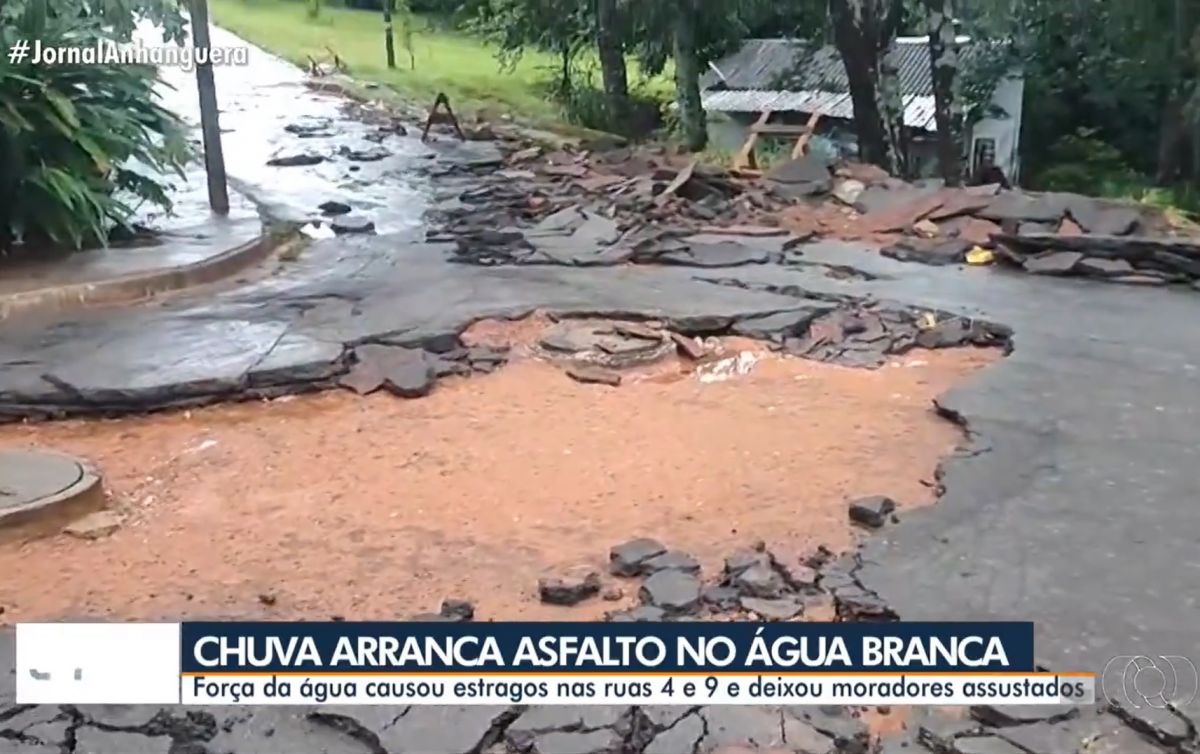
(402, 10)
(947, 110)
(389, 40)
(687, 76)
(864, 32)
(562, 27)
(71, 134)
(1123, 71)
(692, 33)
(610, 47)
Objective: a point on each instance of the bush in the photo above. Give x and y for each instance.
(70, 134)
(584, 104)
(1083, 164)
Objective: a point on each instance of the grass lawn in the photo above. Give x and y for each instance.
(462, 66)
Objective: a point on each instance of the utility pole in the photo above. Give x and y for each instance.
(387, 30)
(210, 127)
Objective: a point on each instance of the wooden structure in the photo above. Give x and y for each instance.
(442, 102)
(746, 158)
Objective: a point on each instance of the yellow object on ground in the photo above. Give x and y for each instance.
(980, 256)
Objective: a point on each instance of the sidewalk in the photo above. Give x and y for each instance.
(194, 247)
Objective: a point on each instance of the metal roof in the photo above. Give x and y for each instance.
(918, 109)
(796, 65)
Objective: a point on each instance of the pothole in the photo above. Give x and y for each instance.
(485, 485)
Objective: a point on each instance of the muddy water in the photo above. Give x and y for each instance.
(377, 508)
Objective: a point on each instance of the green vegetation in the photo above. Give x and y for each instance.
(1112, 100)
(459, 64)
(71, 134)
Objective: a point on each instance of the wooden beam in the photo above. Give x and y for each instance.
(745, 158)
(210, 127)
(802, 142)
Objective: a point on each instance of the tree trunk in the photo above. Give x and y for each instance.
(1171, 140)
(891, 107)
(863, 32)
(687, 77)
(564, 85)
(389, 41)
(612, 63)
(947, 110)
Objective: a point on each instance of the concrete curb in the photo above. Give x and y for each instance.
(47, 515)
(137, 286)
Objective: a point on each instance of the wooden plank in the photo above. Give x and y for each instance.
(440, 102)
(809, 130)
(745, 158)
(682, 177)
(779, 129)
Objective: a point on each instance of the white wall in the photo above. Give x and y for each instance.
(1009, 96)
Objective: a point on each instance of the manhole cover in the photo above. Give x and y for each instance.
(40, 491)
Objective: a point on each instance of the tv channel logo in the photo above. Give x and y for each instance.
(1149, 681)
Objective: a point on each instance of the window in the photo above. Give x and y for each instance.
(983, 155)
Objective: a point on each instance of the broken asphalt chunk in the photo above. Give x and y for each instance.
(671, 561)
(408, 373)
(743, 559)
(673, 591)
(458, 610)
(984, 745)
(569, 589)
(295, 160)
(590, 375)
(1052, 262)
(636, 330)
(640, 614)
(759, 580)
(850, 735)
(627, 559)
(783, 608)
(689, 347)
(807, 175)
(1102, 267)
(1093, 217)
(333, 208)
(346, 224)
(373, 154)
(723, 598)
(872, 511)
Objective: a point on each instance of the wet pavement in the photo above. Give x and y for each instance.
(1073, 507)
(268, 113)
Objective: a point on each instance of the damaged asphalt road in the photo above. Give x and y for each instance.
(1073, 505)
(113, 729)
(1075, 500)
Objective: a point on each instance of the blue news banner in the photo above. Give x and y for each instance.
(618, 663)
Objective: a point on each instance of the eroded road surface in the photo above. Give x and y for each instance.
(1073, 504)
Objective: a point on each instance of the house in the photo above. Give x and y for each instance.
(794, 79)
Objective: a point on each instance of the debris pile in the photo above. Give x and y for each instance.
(1134, 260)
(611, 208)
(648, 206)
(755, 583)
(1048, 234)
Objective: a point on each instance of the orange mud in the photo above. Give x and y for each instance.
(377, 508)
